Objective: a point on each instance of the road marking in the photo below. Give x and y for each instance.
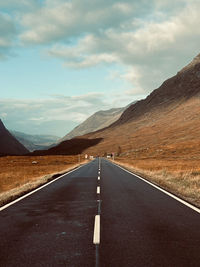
(37, 189)
(98, 189)
(96, 236)
(98, 177)
(162, 190)
(98, 172)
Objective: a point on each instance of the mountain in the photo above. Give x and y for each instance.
(9, 145)
(165, 123)
(98, 120)
(167, 120)
(181, 87)
(35, 142)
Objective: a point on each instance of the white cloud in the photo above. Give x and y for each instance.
(152, 49)
(41, 115)
(11, 12)
(62, 20)
(37, 119)
(3, 115)
(7, 34)
(151, 40)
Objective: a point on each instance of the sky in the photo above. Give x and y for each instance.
(61, 61)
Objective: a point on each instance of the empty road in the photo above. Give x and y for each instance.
(99, 215)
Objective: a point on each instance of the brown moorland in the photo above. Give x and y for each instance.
(172, 133)
(23, 173)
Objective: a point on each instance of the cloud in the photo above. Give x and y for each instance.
(150, 40)
(3, 115)
(129, 76)
(11, 12)
(41, 115)
(7, 34)
(13, 5)
(63, 20)
(152, 47)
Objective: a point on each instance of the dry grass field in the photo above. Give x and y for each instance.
(23, 173)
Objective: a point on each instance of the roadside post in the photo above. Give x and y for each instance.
(113, 156)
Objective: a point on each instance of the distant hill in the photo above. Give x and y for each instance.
(98, 120)
(9, 145)
(70, 145)
(35, 142)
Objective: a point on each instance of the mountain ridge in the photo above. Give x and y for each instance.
(95, 122)
(140, 124)
(9, 145)
(34, 142)
(186, 81)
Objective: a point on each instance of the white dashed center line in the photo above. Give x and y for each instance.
(98, 189)
(96, 237)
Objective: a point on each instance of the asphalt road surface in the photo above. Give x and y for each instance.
(99, 216)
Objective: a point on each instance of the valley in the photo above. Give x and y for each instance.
(100, 133)
(157, 136)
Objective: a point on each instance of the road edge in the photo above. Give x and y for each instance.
(23, 194)
(162, 189)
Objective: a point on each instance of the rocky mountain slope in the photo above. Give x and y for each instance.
(167, 120)
(9, 145)
(181, 87)
(34, 142)
(98, 120)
